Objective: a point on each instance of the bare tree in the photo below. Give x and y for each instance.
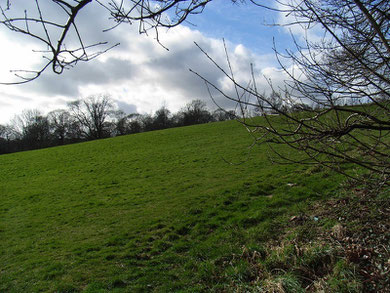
(32, 129)
(63, 40)
(92, 115)
(6, 132)
(8, 141)
(343, 77)
(223, 115)
(64, 127)
(341, 81)
(128, 123)
(121, 118)
(55, 35)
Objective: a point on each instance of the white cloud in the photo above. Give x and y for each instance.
(140, 75)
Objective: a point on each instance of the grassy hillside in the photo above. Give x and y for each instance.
(159, 211)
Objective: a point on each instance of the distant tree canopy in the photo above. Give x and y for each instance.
(94, 118)
(92, 115)
(195, 113)
(162, 119)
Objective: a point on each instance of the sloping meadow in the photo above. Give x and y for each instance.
(160, 211)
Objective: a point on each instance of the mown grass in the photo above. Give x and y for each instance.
(159, 211)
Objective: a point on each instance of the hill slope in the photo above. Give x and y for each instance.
(155, 211)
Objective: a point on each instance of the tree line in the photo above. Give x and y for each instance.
(95, 118)
(345, 60)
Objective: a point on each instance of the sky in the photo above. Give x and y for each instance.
(140, 75)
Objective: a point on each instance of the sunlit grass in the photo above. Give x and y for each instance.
(160, 211)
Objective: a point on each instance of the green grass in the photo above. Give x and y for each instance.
(159, 211)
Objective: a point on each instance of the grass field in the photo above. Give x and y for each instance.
(159, 211)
